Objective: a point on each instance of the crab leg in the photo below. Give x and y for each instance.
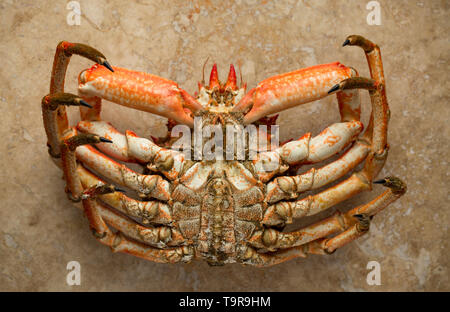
(305, 150)
(139, 90)
(69, 162)
(314, 204)
(93, 112)
(352, 224)
(364, 213)
(131, 148)
(97, 214)
(271, 238)
(161, 236)
(51, 113)
(146, 185)
(170, 255)
(120, 243)
(288, 187)
(377, 130)
(55, 117)
(154, 212)
(349, 104)
(287, 90)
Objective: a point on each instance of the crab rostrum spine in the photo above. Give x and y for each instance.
(221, 210)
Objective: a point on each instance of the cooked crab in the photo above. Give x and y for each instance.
(226, 209)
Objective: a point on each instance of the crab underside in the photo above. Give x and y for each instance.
(225, 209)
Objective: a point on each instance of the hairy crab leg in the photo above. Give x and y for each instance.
(140, 91)
(340, 222)
(147, 185)
(291, 89)
(305, 150)
(131, 148)
(55, 117)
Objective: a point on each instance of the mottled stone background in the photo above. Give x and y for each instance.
(41, 230)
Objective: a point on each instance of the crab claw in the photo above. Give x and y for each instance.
(231, 81)
(394, 183)
(52, 101)
(86, 51)
(84, 138)
(281, 92)
(140, 91)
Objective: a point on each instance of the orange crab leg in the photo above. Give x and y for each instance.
(380, 108)
(139, 90)
(287, 90)
(55, 117)
(349, 104)
(93, 112)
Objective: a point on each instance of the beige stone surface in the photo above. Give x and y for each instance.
(41, 230)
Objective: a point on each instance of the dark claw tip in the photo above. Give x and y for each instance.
(107, 65)
(84, 103)
(334, 88)
(116, 189)
(382, 181)
(105, 140)
(346, 42)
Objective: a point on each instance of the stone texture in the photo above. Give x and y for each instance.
(42, 231)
